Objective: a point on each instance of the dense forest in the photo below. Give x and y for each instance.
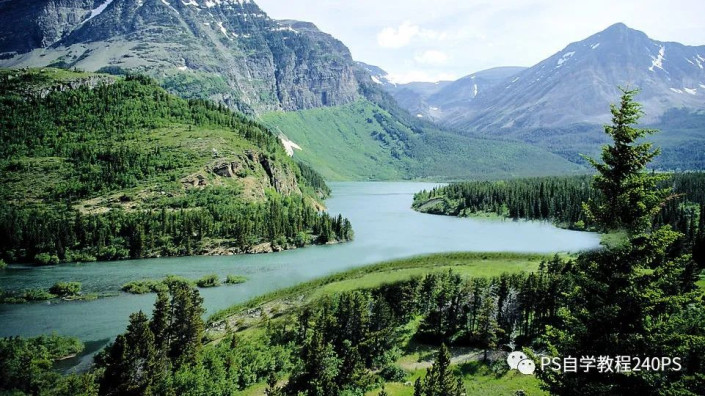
(120, 169)
(560, 200)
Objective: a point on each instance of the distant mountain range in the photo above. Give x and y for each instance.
(561, 102)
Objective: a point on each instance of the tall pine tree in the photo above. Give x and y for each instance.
(632, 300)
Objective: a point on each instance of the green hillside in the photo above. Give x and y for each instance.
(362, 141)
(99, 167)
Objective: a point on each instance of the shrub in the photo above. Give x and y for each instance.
(46, 259)
(211, 280)
(36, 295)
(63, 289)
(144, 286)
(235, 279)
(393, 373)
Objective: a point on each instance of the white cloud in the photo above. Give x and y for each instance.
(421, 76)
(397, 37)
(432, 57)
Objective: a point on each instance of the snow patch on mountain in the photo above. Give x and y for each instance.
(594, 46)
(289, 146)
(98, 10)
(691, 91)
(657, 61)
(213, 3)
(376, 80)
(190, 2)
(564, 58)
(222, 29)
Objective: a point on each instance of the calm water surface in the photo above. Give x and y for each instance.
(385, 228)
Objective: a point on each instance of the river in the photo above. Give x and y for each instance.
(385, 228)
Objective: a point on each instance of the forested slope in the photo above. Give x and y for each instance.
(98, 167)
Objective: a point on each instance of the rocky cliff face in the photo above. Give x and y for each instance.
(255, 170)
(226, 50)
(26, 25)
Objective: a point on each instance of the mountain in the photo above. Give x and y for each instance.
(460, 93)
(432, 100)
(277, 71)
(574, 85)
(366, 141)
(226, 50)
(561, 103)
(100, 167)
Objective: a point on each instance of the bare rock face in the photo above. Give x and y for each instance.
(226, 168)
(225, 50)
(270, 173)
(282, 180)
(26, 25)
(195, 180)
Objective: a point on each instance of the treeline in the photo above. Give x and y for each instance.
(560, 200)
(26, 366)
(210, 219)
(342, 340)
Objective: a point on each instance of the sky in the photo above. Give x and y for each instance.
(431, 40)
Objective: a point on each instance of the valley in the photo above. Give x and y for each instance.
(208, 197)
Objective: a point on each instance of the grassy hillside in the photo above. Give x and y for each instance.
(363, 141)
(99, 167)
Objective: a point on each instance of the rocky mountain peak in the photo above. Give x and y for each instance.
(226, 50)
(573, 85)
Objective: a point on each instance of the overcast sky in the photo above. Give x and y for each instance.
(430, 40)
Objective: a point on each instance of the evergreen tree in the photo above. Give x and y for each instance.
(159, 324)
(320, 368)
(186, 324)
(631, 300)
(629, 195)
(131, 362)
(487, 328)
(440, 379)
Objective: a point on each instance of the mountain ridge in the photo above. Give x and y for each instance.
(573, 85)
(255, 63)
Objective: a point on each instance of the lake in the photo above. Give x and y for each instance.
(385, 228)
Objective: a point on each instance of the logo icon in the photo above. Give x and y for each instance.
(519, 361)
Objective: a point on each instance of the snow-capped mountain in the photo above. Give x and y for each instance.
(460, 93)
(577, 84)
